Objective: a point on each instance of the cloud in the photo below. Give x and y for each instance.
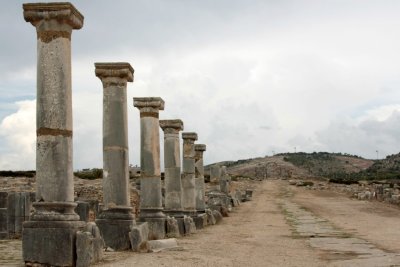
(248, 79)
(18, 137)
(376, 130)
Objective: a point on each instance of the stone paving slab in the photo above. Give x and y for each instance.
(342, 248)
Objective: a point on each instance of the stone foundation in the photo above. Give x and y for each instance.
(116, 233)
(157, 227)
(50, 242)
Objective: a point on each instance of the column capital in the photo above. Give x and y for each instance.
(189, 136)
(61, 12)
(200, 147)
(114, 70)
(171, 126)
(148, 106)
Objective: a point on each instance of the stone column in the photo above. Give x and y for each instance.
(116, 219)
(54, 219)
(188, 174)
(224, 181)
(151, 209)
(215, 176)
(199, 180)
(172, 166)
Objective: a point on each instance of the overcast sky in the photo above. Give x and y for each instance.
(250, 77)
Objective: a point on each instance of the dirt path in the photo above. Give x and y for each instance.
(255, 234)
(374, 221)
(282, 226)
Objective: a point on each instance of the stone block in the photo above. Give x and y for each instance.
(190, 227)
(210, 217)
(157, 228)
(84, 249)
(89, 246)
(172, 227)
(3, 224)
(163, 244)
(116, 233)
(3, 219)
(217, 216)
(179, 219)
(51, 243)
(139, 237)
(82, 209)
(19, 205)
(3, 199)
(200, 220)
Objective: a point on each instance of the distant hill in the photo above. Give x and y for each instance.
(329, 165)
(388, 168)
(337, 167)
(301, 165)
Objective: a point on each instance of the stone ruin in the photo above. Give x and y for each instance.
(56, 230)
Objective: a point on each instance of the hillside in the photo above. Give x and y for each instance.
(305, 165)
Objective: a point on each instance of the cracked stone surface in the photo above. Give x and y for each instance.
(340, 247)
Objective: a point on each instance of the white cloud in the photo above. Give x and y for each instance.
(377, 129)
(318, 76)
(18, 133)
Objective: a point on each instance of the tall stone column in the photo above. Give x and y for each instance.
(224, 181)
(172, 166)
(188, 173)
(215, 176)
(49, 237)
(116, 219)
(199, 180)
(151, 209)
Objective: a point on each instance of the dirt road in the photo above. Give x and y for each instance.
(255, 234)
(282, 226)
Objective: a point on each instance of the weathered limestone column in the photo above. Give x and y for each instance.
(50, 237)
(151, 209)
(188, 174)
(199, 180)
(172, 166)
(224, 181)
(215, 176)
(116, 219)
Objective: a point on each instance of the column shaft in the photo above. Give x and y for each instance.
(188, 173)
(114, 77)
(199, 180)
(172, 166)
(54, 23)
(116, 220)
(215, 176)
(150, 182)
(48, 238)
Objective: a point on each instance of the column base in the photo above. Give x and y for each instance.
(115, 232)
(190, 213)
(200, 220)
(151, 213)
(117, 213)
(178, 215)
(50, 243)
(157, 227)
(54, 211)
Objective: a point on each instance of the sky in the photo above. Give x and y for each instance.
(252, 78)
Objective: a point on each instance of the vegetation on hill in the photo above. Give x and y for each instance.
(346, 168)
(90, 174)
(17, 173)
